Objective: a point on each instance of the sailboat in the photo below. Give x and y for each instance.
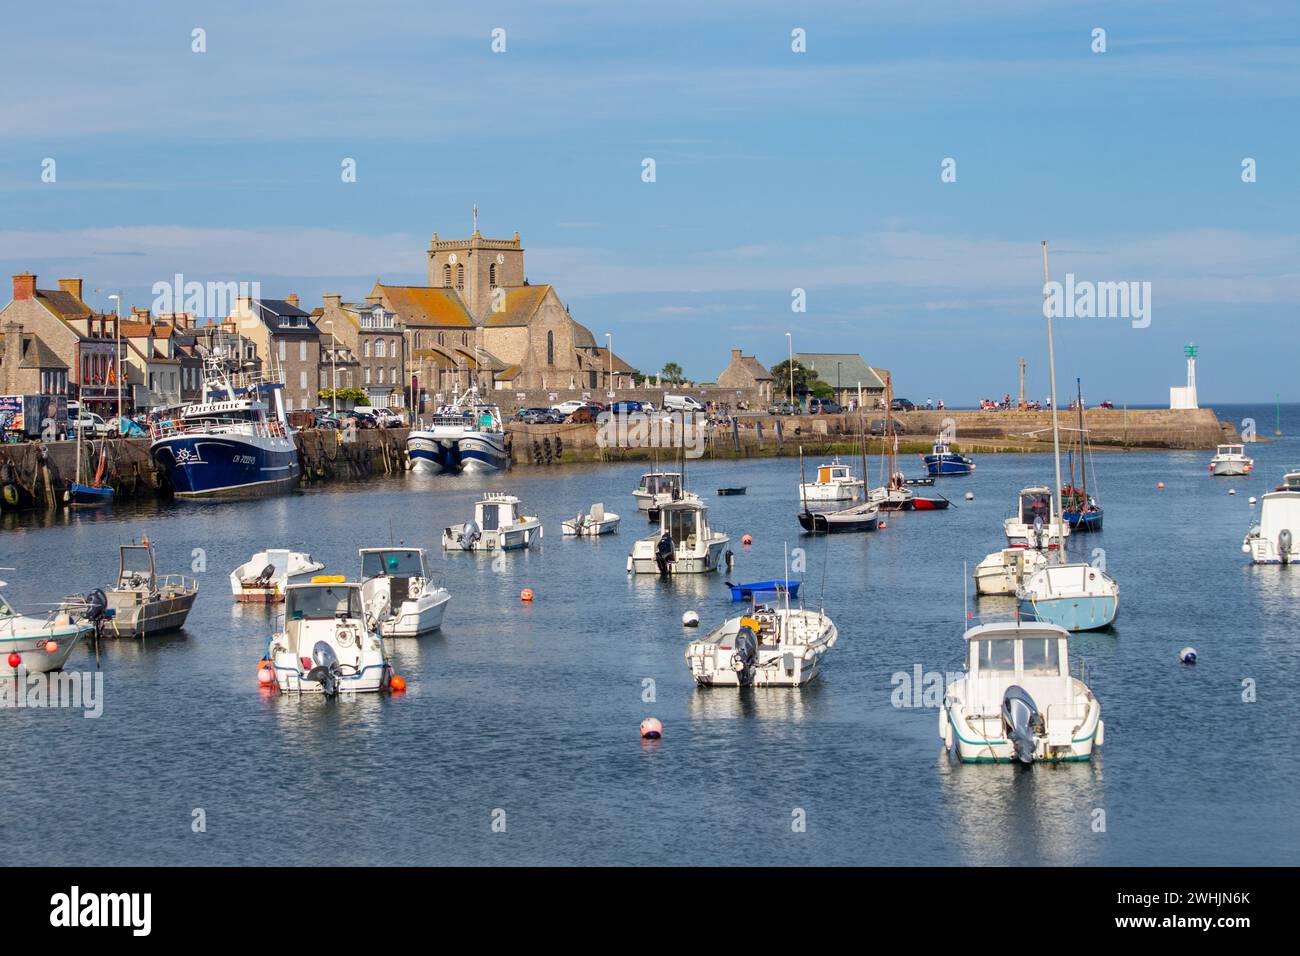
(1079, 508)
(861, 517)
(893, 495)
(97, 493)
(1076, 595)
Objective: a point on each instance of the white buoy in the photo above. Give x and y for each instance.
(1187, 655)
(690, 619)
(1252, 499)
(970, 496)
(1232, 491)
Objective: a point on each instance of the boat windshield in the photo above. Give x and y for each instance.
(680, 523)
(136, 559)
(998, 656)
(1034, 506)
(323, 603)
(395, 563)
(660, 484)
(1041, 656)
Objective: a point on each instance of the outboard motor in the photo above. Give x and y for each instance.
(327, 669)
(1284, 545)
(1038, 532)
(746, 655)
(1019, 717)
(664, 554)
(263, 580)
(469, 536)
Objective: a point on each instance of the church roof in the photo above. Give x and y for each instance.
(582, 337)
(600, 360)
(520, 305)
(425, 305)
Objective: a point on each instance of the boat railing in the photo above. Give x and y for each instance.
(171, 428)
(176, 582)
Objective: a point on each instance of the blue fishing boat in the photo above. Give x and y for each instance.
(1078, 508)
(745, 592)
(94, 495)
(234, 442)
(942, 460)
(464, 436)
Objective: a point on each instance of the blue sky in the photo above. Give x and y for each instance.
(775, 170)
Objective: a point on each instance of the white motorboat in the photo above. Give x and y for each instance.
(684, 543)
(263, 577)
(1002, 572)
(42, 645)
(1035, 523)
(770, 646)
(330, 643)
(1018, 701)
(144, 603)
(1230, 461)
(657, 488)
(596, 522)
(400, 592)
(466, 435)
(1076, 596)
(834, 482)
(1275, 538)
(499, 525)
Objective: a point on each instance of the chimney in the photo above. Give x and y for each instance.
(332, 300)
(735, 355)
(292, 299)
(71, 285)
(24, 287)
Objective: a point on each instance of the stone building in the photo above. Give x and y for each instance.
(28, 366)
(747, 372)
(287, 341)
(372, 349)
(849, 375)
(83, 341)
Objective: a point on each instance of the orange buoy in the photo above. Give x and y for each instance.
(51, 647)
(526, 595)
(397, 684)
(882, 525)
(1160, 485)
(747, 540)
(651, 728)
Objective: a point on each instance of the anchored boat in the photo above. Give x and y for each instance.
(1018, 701)
(398, 588)
(834, 482)
(1078, 507)
(1275, 538)
(747, 592)
(657, 488)
(42, 645)
(597, 521)
(263, 578)
(769, 646)
(942, 460)
(499, 525)
(1077, 597)
(466, 435)
(1230, 461)
(1003, 572)
(684, 543)
(142, 603)
(330, 643)
(1035, 524)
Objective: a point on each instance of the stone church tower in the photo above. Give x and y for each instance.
(475, 266)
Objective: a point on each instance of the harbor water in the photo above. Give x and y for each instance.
(517, 739)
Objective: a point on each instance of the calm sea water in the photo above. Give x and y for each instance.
(533, 710)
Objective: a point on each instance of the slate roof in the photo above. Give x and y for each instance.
(852, 369)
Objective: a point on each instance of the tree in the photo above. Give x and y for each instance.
(803, 378)
(672, 373)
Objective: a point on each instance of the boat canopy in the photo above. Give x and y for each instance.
(828, 473)
(661, 482)
(1029, 649)
(395, 562)
(322, 602)
(1035, 503)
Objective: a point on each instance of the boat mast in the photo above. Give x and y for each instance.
(1083, 460)
(1056, 425)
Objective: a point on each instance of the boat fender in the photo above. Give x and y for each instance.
(1187, 655)
(651, 729)
(747, 540)
(1284, 543)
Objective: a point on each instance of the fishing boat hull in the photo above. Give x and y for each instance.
(432, 454)
(195, 465)
(30, 639)
(642, 560)
(1275, 538)
(86, 496)
(421, 616)
(1084, 521)
(1230, 469)
(134, 616)
(1085, 612)
(717, 659)
(482, 452)
(373, 675)
(947, 464)
(514, 538)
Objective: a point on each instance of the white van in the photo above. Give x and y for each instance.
(682, 403)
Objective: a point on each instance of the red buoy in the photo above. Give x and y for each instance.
(15, 659)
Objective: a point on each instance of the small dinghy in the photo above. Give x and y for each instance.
(922, 503)
(863, 517)
(398, 589)
(263, 577)
(143, 603)
(724, 492)
(330, 643)
(746, 592)
(596, 522)
(765, 647)
(1017, 700)
(499, 525)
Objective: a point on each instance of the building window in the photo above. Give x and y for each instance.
(492, 276)
(282, 352)
(365, 347)
(550, 348)
(440, 339)
(302, 351)
(367, 376)
(302, 380)
(380, 348)
(446, 276)
(417, 339)
(460, 275)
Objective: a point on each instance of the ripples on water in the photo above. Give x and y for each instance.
(534, 709)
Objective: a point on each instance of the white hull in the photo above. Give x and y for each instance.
(586, 528)
(513, 538)
(1021, 535)
(837, 491)
(1276, 538)
(29, 639)
(980, 737)
(1002, 572)
(785, 656)
(1229, 469)
(698, 561)
(421, 616)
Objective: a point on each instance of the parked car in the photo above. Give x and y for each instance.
(389, 418)
(878, 427)
(624, 408)
(824, 406)
(360, 419)
(538, 416)
(94, 424)
(569, 407)
(783, 408)
(682, 403)
(902, 405)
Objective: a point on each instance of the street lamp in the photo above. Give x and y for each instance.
(334, 367)
(609, 347)
(117, 331)
(790, 364)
